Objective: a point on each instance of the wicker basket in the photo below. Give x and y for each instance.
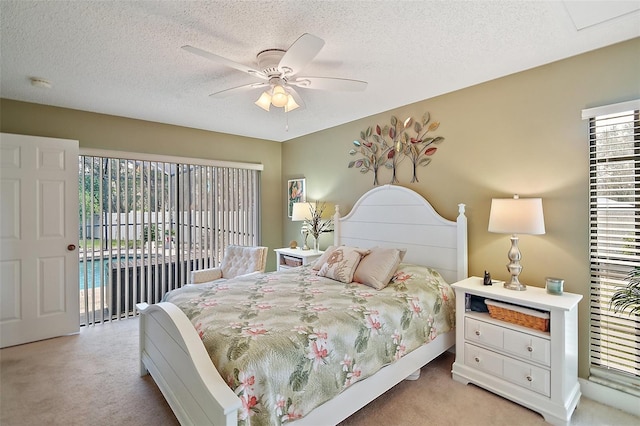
(292, 261)
(518, 315)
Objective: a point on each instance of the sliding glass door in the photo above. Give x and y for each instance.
(146, 224)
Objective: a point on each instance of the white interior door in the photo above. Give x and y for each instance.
(38, 238)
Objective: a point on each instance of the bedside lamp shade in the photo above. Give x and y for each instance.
(306, 211)
(516, 216)
(301, 211)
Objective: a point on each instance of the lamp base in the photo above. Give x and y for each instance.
(518, 286)
(514, 266)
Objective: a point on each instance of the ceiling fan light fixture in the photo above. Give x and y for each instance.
(291, 104)
(279, 97)
(279, 69)
(264, 101)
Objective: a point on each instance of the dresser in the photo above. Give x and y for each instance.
(534, 368)
(290, 258)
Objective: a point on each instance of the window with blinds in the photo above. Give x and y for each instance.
(145, 225)
(614, 225)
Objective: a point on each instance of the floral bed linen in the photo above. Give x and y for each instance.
(288, 341)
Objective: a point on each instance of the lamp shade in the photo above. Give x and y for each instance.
(280, 97)
(301, 211)
(516, 216)
(291, 104)
(264, 101)
(306, 211)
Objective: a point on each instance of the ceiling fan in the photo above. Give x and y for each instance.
(279, 69)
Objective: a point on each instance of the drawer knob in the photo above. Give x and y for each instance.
(530, 348)
(476, 359)
(477, 332)
(529, 378)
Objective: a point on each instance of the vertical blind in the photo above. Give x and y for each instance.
(614, 229)
(145, 225)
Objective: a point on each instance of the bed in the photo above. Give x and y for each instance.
(172, 349)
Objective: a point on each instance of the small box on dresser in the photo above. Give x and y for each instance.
(534, 368)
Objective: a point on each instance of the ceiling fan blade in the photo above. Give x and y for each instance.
(235, 90)
(328, 83)
(224, 61)
(301, 52)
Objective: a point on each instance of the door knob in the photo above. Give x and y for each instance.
(71, 247)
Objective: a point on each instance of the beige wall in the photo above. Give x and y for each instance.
(518, 134)
(122, 134)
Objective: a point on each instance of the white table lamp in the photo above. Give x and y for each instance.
(316, 217)
(516, 216)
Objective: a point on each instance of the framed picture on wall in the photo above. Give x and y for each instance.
(296, 193)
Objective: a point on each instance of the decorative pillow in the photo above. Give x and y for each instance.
(323, 259)
(402, 251)
(378, 267)
(325, 255)
(342, 263)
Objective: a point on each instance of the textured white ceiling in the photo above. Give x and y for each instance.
(124, 57)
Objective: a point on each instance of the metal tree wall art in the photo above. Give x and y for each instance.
(388, 146)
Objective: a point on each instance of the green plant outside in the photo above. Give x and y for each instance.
(628, 297)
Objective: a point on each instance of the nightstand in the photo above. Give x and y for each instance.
(536, 369)
(290, 258)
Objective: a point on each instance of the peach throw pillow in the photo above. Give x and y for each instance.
(378, 267)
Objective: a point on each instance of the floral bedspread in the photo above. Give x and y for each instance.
(288, 341)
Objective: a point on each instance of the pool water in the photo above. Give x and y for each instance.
(97, 271)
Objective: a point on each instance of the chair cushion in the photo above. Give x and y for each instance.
(240, 260)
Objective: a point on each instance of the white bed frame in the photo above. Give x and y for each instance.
(391, 216)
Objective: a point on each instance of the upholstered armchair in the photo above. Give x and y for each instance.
(238, 260)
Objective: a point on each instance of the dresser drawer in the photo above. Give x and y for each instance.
(520, 373)
(528, 376)
(484, 333)
(516, 343)
(527, 347)
(482, 359)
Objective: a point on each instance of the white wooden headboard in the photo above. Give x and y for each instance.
(394, 216)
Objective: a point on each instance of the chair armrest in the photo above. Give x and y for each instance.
(205, 275)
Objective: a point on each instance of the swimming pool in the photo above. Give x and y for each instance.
(97, 270)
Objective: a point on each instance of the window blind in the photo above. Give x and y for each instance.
(146, 224)
(614, 229)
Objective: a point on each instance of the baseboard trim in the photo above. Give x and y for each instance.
(609, 396)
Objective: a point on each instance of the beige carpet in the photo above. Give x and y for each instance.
(92, 379)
